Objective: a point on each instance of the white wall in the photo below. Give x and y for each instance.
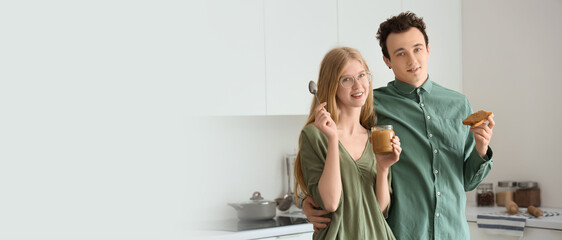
(231, 157)
(511, 66)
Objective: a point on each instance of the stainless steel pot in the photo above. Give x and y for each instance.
(255, 209)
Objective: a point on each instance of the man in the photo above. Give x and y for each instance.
(441, 158)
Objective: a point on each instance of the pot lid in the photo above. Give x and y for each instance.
(257, 199)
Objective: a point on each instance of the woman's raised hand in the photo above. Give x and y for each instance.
(324, 122)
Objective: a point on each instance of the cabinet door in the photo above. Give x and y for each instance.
(358, 23)
(443, 27)
(228, 76)
(297, 36)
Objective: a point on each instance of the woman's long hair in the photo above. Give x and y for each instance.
(331, 70)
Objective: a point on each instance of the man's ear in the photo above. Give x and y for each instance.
(387, 62)
(428, 49)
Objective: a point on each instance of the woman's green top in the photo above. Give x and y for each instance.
(358, 215)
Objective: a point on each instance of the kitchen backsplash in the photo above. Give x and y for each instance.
(233, 156)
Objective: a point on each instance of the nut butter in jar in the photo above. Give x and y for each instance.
(527, 194)
(485, 195)
(505, 191)
(381, 137)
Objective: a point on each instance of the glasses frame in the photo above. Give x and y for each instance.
(353, 78)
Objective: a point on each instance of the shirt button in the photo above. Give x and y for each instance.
(422, 104)
(430, 135)
(483, 164)
(438, 193)
(435, 151)
(436, 171)
(437, 214)
(418, 90)
(428, 117)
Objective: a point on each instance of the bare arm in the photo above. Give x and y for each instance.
(384, 161)
(329, 185)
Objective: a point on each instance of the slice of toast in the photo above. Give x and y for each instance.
(477, 118)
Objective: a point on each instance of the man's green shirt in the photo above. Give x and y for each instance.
(438, 163)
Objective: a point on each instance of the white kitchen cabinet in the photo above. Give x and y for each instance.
(358, 23)
(227, 48)
(444, 29)
(297, 36)
(256, 57)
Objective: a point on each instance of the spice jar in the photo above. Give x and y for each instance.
(505, 191)
(485, 195)
(527, 194)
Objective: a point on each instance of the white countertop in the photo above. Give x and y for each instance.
(548, 222)
(259, 233)
(254, 234)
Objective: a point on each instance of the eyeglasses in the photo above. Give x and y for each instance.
(348, 81)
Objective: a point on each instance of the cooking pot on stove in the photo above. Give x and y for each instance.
(255, 209)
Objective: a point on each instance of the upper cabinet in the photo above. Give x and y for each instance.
(229, 73)
(297, 35)
(256, 57)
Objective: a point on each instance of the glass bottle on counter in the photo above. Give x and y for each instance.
(485, 195)
(505, 192)
(527, 194)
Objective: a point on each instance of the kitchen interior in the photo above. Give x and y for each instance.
(122, 140)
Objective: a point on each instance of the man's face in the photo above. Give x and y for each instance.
(408, 56)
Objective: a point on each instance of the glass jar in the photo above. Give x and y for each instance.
(381, 138)
(505, 191)
(485, 195)
(527, 194)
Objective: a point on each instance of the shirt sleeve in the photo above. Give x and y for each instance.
(476, 168)
(313, 148)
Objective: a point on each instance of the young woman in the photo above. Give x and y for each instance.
(336, 165)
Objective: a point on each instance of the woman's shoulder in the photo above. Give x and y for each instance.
(312, 133)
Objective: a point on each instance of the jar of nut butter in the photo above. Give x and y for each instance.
(381, 138)
(527, 194)
(505, 191)
(485, 195)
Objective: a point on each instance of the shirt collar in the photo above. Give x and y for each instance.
(406, 88)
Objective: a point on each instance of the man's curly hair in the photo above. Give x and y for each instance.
(398, 24)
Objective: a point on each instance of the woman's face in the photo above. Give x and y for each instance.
(356, 83)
